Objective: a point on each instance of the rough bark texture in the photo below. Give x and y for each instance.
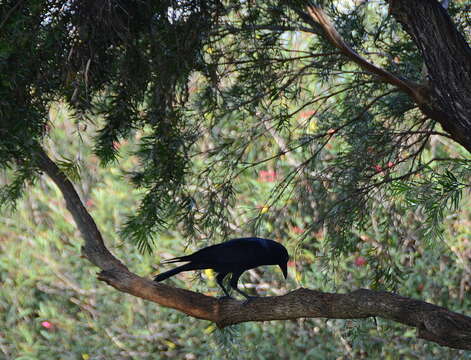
(433, 323)
(448, 59)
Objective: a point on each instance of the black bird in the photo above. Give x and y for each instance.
(234, 256)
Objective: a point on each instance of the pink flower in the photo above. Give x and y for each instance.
(306, 114)
(390, 164)
(360, 261)
(378, 168)
(267, 176)
(297, 230)
(46, 325)
(291, 263)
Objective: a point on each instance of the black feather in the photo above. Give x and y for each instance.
(232, 257)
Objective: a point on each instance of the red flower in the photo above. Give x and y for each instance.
(360, 261)
(267, 176)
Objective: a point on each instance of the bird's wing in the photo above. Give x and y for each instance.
(237, 251)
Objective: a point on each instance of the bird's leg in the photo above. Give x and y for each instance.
(234, 279)
(219, 279)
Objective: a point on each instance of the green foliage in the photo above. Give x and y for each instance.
(39, 249)
(11, 191)
(435, 194)
(227, 119)
(70, 169)
(39, 284)
(211, 90)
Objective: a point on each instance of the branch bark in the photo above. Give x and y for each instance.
(330, 33)
(447, 56)
(446, 97)
(434, 323)
(94, 248)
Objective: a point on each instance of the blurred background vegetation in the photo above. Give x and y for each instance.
(186, 123)
(52, 306)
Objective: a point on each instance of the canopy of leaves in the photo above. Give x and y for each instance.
(211, 90)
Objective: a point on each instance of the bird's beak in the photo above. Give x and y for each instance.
(284, 269)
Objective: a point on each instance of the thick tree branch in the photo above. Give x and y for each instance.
(94, 248)
(433, 323)
(447, 56)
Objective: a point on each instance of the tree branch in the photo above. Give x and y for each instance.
(317, 15)
(446, 97)
(447, 56)
(94, 248)
(434, 323)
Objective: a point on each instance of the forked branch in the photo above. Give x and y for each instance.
(416, 91)
(445, 95)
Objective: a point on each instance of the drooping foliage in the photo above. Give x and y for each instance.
(210, 90)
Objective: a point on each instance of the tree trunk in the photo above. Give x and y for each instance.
(447, 56)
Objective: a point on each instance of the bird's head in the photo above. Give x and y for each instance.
(284, 269)
(276, 254)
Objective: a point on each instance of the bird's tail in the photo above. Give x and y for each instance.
(177, 270)
(177, 259)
